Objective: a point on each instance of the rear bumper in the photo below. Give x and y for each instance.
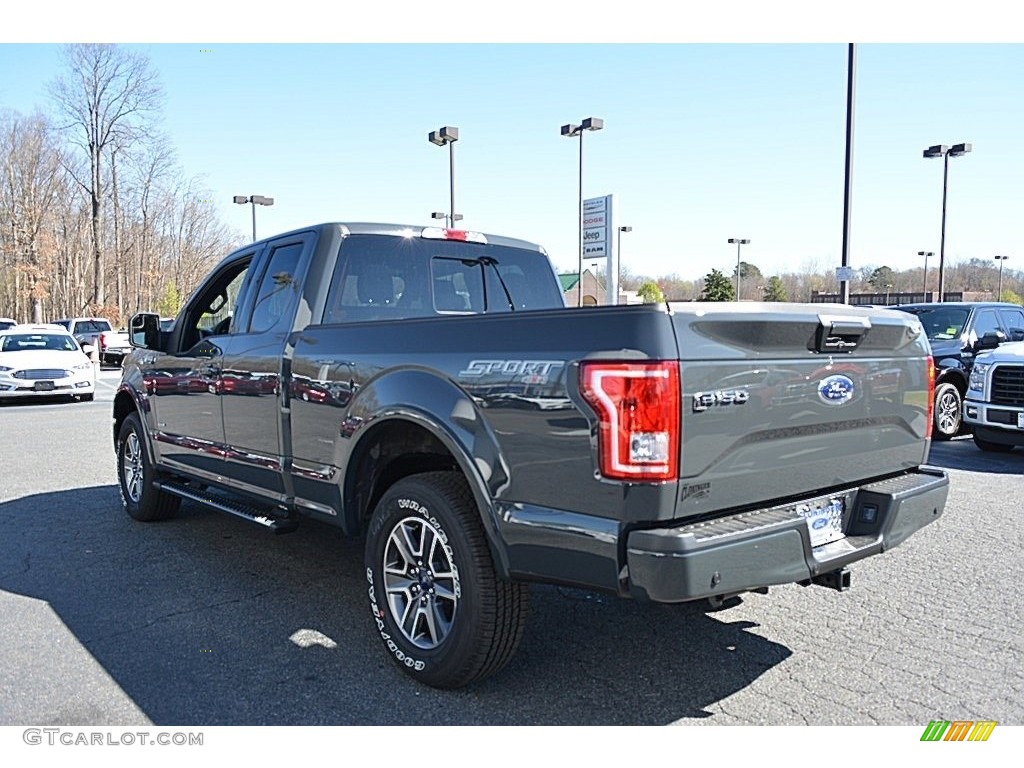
(770, 546)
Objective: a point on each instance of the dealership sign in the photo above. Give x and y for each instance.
(597, 228)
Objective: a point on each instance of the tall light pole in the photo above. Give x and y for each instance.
(618, 263)
(447, 135)
(924, 287)
(945, 152)
(999, 291)
(738, 242)
(851, 86)
(254, 200)
(571, 130)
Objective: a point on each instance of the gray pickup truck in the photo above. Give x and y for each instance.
(428, 389)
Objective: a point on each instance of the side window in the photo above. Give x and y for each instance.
(1013, 321)
(217, 313)
(211, 312)
(278, 290)
(984, 322)
(377, 278)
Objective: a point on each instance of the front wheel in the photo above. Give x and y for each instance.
(135, 475)
(443, 613)
(948, 411)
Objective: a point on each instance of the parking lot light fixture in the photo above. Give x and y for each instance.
(999, 290)
(945, 152)
(924, 287)
(254, 200)
(448, 135)
(739, 242)
(618, 255)
(571, 131)
(449, 221)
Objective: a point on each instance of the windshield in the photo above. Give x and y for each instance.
(941, 323)
(52, 342)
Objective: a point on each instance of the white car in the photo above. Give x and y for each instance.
(7, 322)
(39, 360)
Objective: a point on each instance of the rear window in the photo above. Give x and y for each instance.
(381, 277)
(92, 326)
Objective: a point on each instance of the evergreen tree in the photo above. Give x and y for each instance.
(717, 287)
(775, 290)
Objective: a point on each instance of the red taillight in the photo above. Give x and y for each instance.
(638, 407)
(931, 398)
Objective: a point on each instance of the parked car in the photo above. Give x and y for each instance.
(994, 407)
(40, 360)
(6, 322)
(957, 331)
(85, 329)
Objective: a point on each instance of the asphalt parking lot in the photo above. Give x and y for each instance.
(207, 620)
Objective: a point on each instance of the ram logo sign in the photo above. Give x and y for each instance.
(958, 730)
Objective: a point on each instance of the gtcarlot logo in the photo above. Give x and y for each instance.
(72, 738)
(958, 730)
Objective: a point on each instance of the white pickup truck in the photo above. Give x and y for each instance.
(994, 406)
(113, 347)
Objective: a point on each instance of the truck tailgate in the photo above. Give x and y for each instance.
(781, 400)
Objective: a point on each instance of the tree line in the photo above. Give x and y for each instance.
(96, 215)
(970, 275)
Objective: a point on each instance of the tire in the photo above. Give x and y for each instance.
(948, 411)
(87, 398)
(427, 562)
(991, 447)
(135, 475)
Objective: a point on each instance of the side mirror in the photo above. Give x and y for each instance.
(144, 331)
(88, 349)
(990, 340)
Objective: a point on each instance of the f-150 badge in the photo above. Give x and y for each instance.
(704, 400)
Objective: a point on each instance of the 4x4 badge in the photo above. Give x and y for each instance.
(835, 390)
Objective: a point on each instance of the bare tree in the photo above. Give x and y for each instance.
(30, 183)
(104, 99)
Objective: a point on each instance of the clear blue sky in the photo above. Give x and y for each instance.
(702, 141)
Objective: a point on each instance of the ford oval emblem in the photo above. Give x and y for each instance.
(835, 390)
(820, 523)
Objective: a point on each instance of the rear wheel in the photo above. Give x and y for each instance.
(443, 613)
(987, 445)
(135, 474)
(948, 411)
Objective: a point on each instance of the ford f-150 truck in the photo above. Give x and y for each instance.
(427, 388)
(994, 407)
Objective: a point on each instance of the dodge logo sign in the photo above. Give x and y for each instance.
(835, 390)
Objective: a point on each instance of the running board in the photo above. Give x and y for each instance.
(247, 512)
